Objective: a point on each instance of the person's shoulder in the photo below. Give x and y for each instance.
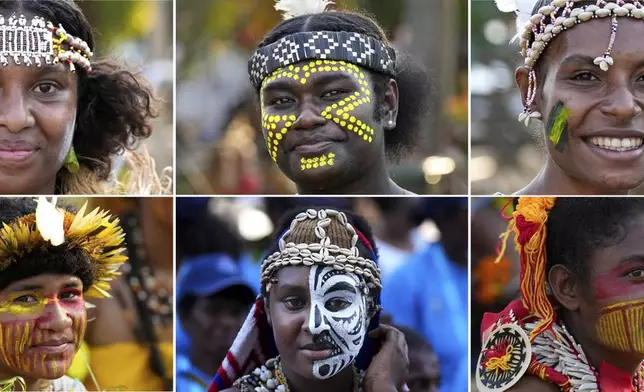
(533, 384)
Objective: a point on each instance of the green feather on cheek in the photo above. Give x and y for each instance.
(558, 126)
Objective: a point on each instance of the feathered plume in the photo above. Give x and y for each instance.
(523, 10)
(293, 8)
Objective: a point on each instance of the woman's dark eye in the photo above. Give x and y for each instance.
(336, 304)
(585, 76)
(46, 88)
(636, 274)
(294, 303)
(69, 295)
(26, 299)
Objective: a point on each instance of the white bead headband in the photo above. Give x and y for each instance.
(323, 252)
(545, 25)
(28, 43)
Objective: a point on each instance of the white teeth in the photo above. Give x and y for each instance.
(617, 144)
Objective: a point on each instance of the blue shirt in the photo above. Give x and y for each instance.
(429, 293)
(189, 378)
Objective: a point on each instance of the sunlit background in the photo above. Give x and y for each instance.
(139, 33)
(220, 149)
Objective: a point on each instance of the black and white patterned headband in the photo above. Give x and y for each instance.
(354, 48)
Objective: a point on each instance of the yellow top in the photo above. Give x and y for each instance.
(125, 366)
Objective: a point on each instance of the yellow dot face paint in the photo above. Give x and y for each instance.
(341, 113)
(621, 326)
(317, 162)
(40, 334)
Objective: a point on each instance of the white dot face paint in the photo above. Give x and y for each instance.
(338, 318)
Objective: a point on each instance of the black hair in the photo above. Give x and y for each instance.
(577, 227)
(47, 258)
(412, 79)
(114, 107)
(359, 223)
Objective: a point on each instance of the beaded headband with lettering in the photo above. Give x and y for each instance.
(308, 241)
(354, 48)
(553, 19)
(38, 41)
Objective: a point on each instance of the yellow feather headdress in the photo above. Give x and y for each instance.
(96, 233)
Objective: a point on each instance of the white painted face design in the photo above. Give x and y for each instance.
(338, 318)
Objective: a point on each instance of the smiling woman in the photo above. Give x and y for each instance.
(63, 114)
(43, 283)
(583, 82)
(335, 100)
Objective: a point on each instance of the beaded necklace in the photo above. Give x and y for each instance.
(565, 355)
(269, 377)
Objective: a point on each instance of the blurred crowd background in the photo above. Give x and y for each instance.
(139, 32)
(506, 155)
(220, 149)
(129, 338)
(422, 244)
(494, 285)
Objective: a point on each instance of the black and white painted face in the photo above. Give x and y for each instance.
(338, 318)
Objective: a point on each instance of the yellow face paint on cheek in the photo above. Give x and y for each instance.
(15, 337)
(276, 127)
(621, 326)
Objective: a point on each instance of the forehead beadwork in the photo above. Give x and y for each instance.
(34, 42)
(558, 16)
(321, 237)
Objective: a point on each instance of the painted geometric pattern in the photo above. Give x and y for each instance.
(620, 327)
(340, 112)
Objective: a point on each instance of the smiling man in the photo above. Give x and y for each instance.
(329, 91)
(50, 261)
(583, 78)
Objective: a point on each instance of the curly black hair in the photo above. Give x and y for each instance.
(413, 81)
(46, 259)
(114, 106)
(577, 227)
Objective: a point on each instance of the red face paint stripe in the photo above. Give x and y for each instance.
(613, 285)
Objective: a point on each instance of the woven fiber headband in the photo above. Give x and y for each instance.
(353, 48)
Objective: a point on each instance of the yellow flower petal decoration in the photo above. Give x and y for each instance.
(97, 233)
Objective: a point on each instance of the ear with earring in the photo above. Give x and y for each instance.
(528, 114)
(391, 124)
